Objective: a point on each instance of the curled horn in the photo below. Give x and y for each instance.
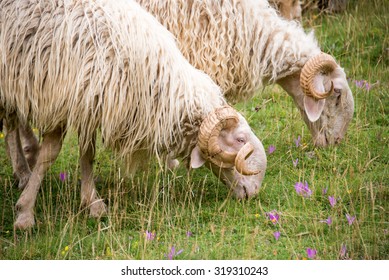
(322, 63)
(240, 161)
(210, 129)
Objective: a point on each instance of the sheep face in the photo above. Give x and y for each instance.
(327, 119)
(233, 140)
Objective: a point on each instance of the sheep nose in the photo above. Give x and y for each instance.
(338, 140)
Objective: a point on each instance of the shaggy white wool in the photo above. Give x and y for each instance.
(241, 44)
(101, 64)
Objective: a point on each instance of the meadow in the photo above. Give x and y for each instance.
(191, 215)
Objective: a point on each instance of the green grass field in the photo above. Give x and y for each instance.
(195, 214)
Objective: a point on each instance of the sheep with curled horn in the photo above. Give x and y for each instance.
(109, 65)
(244, 45)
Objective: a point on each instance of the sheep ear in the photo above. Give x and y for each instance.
(313, 108)
(196, 159)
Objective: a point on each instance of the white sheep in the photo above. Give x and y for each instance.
(109, 65)
(243, 45)
(289, 9)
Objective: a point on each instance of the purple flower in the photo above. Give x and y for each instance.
(311, 253)
(173, 253)
(325, 190)
(332, 200)
(149, 235)
(350, 219)
(303, 189)
(343, 251)
(63, 176)
(188, 234)
(277, 235)
(295, 162)
(297, 141)
(271, 149)
(273, 217)
(359, 83)
(328, 221)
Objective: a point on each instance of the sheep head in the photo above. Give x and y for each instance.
(324, 98)
(231, 150)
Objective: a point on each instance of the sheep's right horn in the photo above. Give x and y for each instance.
(210, 129)
(315, 65)
(240, 161)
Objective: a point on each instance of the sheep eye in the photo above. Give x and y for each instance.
(240, 140)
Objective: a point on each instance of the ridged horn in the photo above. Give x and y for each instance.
(210, 129)
(241, 163)
(321, 63)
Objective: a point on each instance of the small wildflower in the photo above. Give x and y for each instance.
(63, 176)
(311, 253)
(277, 235)
(189, 233)
(1, 135)
(273, 216)
(295, 162)
(271, 149)
(328, 221)
(332, 200)
(150, 236)
(257, 215)
(303, 189)
(343, 251)
(350, 219)
(173, 253)
(297, 141)
(349, 191)
(66, 248)
(325, 190)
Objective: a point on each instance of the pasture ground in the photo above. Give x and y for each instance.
(196, 214)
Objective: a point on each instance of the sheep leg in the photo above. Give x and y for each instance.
(51, 146)
(89, 196)
(30, 144)
(15, 152)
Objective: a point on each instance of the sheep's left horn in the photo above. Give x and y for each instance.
(241, 163)
(322, 63)
(210, 129)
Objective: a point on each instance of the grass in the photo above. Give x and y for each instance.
(195, 213)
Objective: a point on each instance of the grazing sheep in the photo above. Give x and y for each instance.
(289, 9)
(243, 45)
(109, 65)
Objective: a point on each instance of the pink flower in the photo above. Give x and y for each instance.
(328, 221)
(332, 200)
(297, 141)
(350, 219)
(271, 149)
(311, 253)
(325, 190)
(343, 252)
(295, 162)
(273, 216)
(63, 176)
(277, 235)
(173, 253)
(303, 189)
(149, 235)
(188, 234)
